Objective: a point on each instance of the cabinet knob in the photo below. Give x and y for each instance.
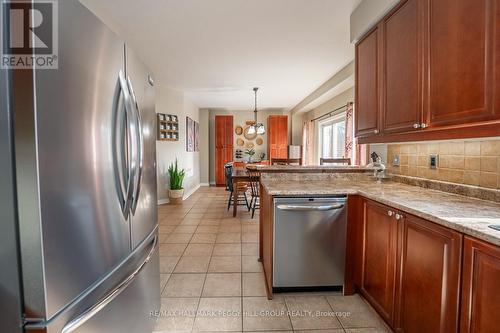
(398, 216)
(416, 125)
(390, 212)
(375, 131)
(423, 125)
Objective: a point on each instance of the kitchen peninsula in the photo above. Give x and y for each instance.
(408, 247)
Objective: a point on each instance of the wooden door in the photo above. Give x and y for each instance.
(462, 47)
(402, 79)
(429, 277)
(378, 272)
(367, 85)
(223, 146)
(480, 287)
(277, 136)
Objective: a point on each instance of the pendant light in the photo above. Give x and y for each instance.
(256, 127)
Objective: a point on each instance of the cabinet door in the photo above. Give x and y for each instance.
(367, 85)
(277, 137)
(480, 287)
(429, 279)
(402, 105)
(378, 274)
(228, 131)
(462, 48)
(220, 131)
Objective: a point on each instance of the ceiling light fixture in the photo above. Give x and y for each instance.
(256, 127)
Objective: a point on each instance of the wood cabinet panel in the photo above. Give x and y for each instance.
(367, 85)
(277, 136)
(266, 220)
(429, 277)
(480, 287)
(461, 52)
(402, 104)
(223, 146)
(378, 274)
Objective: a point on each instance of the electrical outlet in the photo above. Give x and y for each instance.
(433, 161)
(395, 160)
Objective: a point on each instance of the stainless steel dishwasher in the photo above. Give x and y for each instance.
(309, 243)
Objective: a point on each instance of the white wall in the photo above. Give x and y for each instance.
(174, 102)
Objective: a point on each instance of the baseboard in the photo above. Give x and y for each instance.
(188, 194)
(212, 184)
(162, 201)
(204, 184)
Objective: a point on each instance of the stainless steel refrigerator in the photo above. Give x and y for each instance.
(80, 142)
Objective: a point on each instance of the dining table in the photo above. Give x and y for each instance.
(239, 175)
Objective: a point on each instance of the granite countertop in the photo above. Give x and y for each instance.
(465, 214)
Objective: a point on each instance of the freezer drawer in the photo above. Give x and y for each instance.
(309, 242)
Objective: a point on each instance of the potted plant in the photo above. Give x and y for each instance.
(176, 175)
(250, 153)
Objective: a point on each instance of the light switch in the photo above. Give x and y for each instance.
(395, 160)
(433, 161)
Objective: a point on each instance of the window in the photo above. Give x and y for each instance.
(332, 137)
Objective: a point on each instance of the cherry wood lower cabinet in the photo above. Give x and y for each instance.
(429, 277)
(480, 287)
(409, 269)
(378, 271)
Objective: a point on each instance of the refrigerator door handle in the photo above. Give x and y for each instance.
(133, 145)
(108, 298)
(140, 139)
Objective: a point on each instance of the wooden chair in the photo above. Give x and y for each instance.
(286, 161)
(255, 189)
(240, 187)
(323, 161)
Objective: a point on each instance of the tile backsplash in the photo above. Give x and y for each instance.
(464, 162)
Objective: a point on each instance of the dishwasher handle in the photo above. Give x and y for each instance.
(310, 208)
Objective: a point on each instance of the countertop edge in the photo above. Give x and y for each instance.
(466, 230)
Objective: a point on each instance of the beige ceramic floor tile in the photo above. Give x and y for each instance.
(251, 264)
(250, 249)
(254, 284)
(227, 250)
(172, 249)
(311, 312)
(219, 314)
(192, 265)
(177, 314)
(167, 264)
(259, 314)
(229, 237)
(203, 238)
(185, 229)
(178, 238)
(225, 264)
(184, 285)
(222, 285)
(250, 237)
(354, 312)
(163, 281)
(207, 229)
(194, 250)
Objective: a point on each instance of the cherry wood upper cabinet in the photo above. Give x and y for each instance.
(378, 271)
(402, 89)
(277, 131)
(480, 287)
(462, 50)
(367, 85)
(429, 277)
(223, 146)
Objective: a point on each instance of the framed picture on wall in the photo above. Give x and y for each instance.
(189, 134)
(196, 136)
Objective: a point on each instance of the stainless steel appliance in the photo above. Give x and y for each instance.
(309, 242)
(84, 155)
